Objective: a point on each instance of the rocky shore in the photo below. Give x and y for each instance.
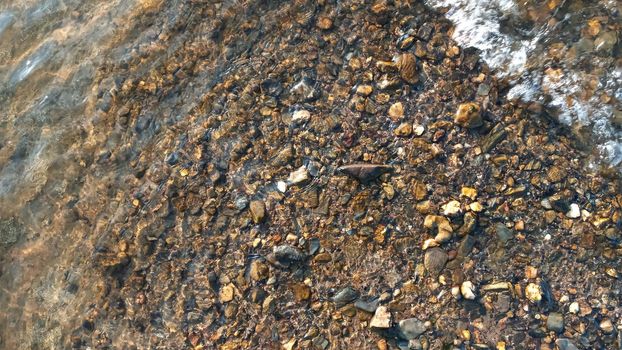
(336, 175)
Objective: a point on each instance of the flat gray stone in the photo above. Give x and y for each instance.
(411, 328)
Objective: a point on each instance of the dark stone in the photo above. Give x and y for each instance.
(565, 344)
(503, 233)
(367, 305)
(345, 296)
(287, 254)
(555, 322)
(435, 260)
(411, 328)
(365, 172)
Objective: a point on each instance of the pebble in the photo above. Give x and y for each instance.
(258, 271)
(381, 319)
(396, 111)
(435, 260)
(555, 322)
(606, 326)
(574, 212)
(418, 130)
(565, 344)
(324, 23)
(287, 253)
(364, 90)
(301, 116)
(451, 208)
(298, 176)
(497, 287)
(469, 115)
(573, 308)
(407, 66)
(241, 202)
(301, 291)
(468, 290)
(258, 211)
(226, 293)
(345, 296)
(365, 172)
(367, 305)
(503, 233)
(444, 229)
(281, 186)
(533, 292)
(411, 328)
(468, 192)
(403, 130)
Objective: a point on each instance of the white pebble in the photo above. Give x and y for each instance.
(573, 308)
(298, 176)
(574, 212)
(547, 237)
(468, 290)
(451, 208)
(281, 186)
(301, 116)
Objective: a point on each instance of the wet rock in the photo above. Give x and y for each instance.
(503, 233)
(574, 212)
(345, 296)
(411, 328)
(407, 66)
(441, 225)
(320, 342)
(468, 290)
(301, 116)
(367, 305)
(496, 135)
(605, 42)
(381, 319)
(301, 291)
(533, 292)
(364, 90)
(365, 172)
(469, 115)
(286, 255)
(606, 326)
(451, 208)
(469, 222)
(555, 322)
(324, 23)
(300, 176)
(565, 344)
(271, 87)
(227, 293)
(560, 202)
(306, 90)
(396, 111)
(258, 211)
(435, 260)
(258, 271)
(466, 246)
(556, 174)
(403, 130)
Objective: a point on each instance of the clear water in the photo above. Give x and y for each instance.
(60, 191)
(563, 54)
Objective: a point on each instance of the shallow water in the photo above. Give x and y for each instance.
(64, 162)
(563, 54)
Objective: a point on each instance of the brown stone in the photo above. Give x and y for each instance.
(407, 65)
(301, 291)
(469, 115)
